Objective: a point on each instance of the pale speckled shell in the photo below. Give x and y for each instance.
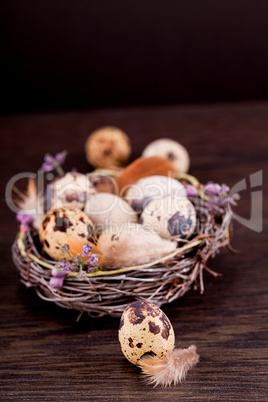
(171, 217)
(145, 329)
(105, 209)
(152, 187)
(71, 190)
(170, 149)
(59, 226)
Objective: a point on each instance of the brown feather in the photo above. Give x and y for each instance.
(170, 369)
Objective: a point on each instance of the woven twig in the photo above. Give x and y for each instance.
(109, 294)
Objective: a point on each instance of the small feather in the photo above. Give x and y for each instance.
(32, 201)
(170, 369)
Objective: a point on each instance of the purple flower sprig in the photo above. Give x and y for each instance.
(54, 162)
(219, 197)
(87, 262)
(25, 220)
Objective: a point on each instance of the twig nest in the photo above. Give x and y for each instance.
(145, 329)
(107, 146)
(171, 150)
(71, 190)
(105, 209)
(149, 188)
(132, 244)
(171, 217)
(64, 225)
(147, 340)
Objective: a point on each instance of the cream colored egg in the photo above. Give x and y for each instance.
(131, 245)
(105, 209)
(71, 190)
(171, 217)
(171, 150)
(145, 330)
(61, 226)
(152, 187)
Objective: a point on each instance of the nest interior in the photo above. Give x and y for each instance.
(109, 292)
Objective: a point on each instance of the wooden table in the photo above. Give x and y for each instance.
(47, 356)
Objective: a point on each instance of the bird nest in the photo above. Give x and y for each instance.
(109, 291)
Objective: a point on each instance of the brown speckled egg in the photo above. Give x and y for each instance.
(171, 217)
(107, 146)
(61, 226)
(145, 330)
(71, 190)
(170, 149)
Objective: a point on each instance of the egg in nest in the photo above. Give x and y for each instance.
(170, 149)
(171, 217)
(65, 225)
(71, 190)
(152, 187)
(105, 209)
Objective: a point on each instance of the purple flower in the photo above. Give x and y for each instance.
(77, 260)
(191, 191)
(23, 217)
(93, 259)
(58, 274)
(53, 162)
(56, 282)
(86, 249)
(225, 189)
(61, 268)
(65, 248)
(212, 188)
(60, 157)
(90, 269)
(49, 159)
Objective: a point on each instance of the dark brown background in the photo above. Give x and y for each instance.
(59, 54)
(47, 356)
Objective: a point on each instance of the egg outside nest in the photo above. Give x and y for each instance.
(147, 340)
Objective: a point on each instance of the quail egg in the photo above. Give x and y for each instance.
(170, 149)
(64, 225)
(152, 187)
(171, 217)
(71, 190)
(105, 209)
(144, 329)
(107, 146)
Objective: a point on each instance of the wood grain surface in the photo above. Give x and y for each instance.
(47, 356)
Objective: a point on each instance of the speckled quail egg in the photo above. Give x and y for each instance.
(171, 217)
(107, 146)
(152, 187)
(64, 225)
(171, 150)
(145, 330)
(71, 190)
(105, 209)
(132, 244)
